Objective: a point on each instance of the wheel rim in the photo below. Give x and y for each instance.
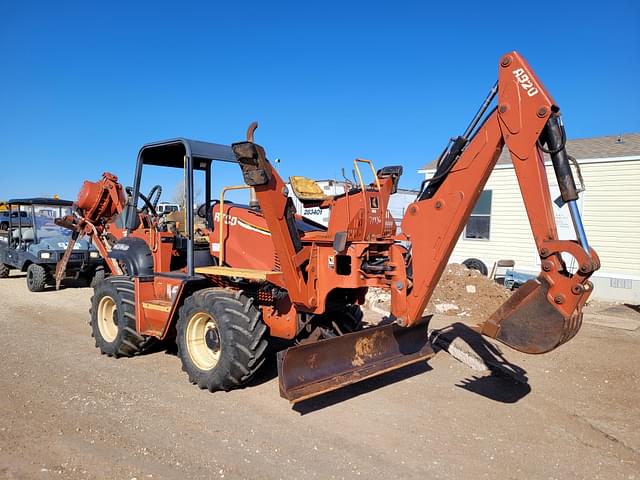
(203, 341)
(106, 319)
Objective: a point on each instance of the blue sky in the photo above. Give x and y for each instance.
(84, 84)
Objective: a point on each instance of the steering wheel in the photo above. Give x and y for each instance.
(204, 211)
(149, 205)
(157, 191)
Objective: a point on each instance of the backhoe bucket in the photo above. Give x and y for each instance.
(528, 322)
(314, 368)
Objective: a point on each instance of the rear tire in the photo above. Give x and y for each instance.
(4, 270)
(113, 318)
(36, 277)
(220, 338)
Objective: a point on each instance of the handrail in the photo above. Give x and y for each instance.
(375, 175)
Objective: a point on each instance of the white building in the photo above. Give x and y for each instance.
(499, 229)
(399, 202)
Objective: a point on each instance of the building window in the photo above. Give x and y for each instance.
(479, 222)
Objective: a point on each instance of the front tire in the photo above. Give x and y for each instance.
(36, 277)
(352, 318)
(98, 276)
(113, 318)
(4, 270)
(220, 338)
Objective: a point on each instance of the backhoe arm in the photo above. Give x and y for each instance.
(546, 312)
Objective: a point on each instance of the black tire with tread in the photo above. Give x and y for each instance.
(97, 277)
(476, 264)
(127, 342)
(242, 338)
(37, 277)
(348, 320)
(4, 270)
(353, 317)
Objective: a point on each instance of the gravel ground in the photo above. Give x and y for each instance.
(68, 412)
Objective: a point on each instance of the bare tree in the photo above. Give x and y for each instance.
(178, 195)
(180, 198)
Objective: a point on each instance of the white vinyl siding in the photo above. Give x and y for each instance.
(510, 232)
(611, 215)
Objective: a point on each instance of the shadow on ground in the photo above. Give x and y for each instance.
(636, 308)
(267, 372)
(66, 283)
(361, 388)
(506, 383)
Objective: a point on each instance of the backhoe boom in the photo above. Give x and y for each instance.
(526, 117)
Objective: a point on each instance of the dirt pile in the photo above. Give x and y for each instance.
(461, 292)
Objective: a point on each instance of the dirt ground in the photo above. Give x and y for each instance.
(461, 292)
(68, 412)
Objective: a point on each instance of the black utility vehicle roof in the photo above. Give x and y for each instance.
(53, 202)
(170, 153)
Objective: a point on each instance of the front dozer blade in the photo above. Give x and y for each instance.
(528, 322)
(315, 368)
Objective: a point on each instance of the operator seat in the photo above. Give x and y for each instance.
(307, 191)
(177, 219)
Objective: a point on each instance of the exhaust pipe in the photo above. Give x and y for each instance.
(253, 199)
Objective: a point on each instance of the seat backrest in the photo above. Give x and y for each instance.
(177, 219)
(307, 190)
(27, 234)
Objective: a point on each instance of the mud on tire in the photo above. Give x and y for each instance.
(220, 338)
(113, 318)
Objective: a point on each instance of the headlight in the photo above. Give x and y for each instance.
(45, 255)
(94, 254)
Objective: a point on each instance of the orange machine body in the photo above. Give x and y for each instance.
(295, 270)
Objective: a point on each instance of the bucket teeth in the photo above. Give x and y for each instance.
(315, 368)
